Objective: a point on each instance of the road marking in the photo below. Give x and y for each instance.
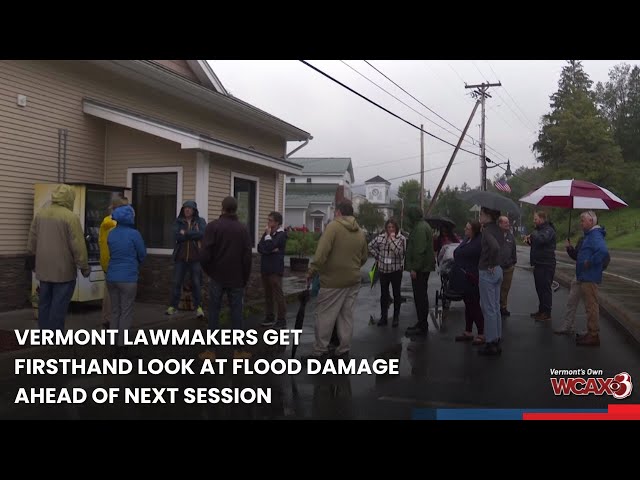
(607, 273)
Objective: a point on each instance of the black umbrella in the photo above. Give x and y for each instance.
(491, 200)
(438, 221)
(304, 299)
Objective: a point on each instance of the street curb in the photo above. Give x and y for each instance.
(608, 307)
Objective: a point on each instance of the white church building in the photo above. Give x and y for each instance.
(377, 192)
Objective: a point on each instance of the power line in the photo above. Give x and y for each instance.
(456, 72)
(432, 111)
(507, 92)
(501, 98)
(435, 113)
(392, 95)
(399, 159)
(418, 173)
(383, 108)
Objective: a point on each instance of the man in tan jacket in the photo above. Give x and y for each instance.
(57, 242)
(341, 253)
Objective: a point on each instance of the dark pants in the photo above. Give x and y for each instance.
(53, 304)
(235, 296)
(420, 296)
(543, 277)
(395, 279)
(272, 283)
(473, 312)
(179, 271)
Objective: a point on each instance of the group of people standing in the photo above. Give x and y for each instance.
(484, 262)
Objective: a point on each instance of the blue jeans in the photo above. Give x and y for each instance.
(235, 296)
(490, 284)
(179, 271)
(53, 304)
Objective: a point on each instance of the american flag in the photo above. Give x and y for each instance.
(502, 185)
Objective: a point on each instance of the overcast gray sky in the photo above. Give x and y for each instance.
(345, 125)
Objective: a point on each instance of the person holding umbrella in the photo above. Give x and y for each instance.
(490, 280)
(543, 260)
(388, 249)
(591, 256)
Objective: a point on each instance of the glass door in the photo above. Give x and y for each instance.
(245, 193)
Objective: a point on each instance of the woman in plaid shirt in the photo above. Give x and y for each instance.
(388, 249)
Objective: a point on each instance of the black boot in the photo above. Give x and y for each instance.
(396, 320)
(383, 320)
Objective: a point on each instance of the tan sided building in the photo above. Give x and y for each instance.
(166, 129)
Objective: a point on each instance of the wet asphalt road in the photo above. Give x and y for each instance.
(435, 372)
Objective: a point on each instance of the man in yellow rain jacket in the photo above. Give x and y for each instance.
(106, 226)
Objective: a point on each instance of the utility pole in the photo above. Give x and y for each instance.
(453, 156)
(481, 91)
(421, 168)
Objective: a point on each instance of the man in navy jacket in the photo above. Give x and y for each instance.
(271, 248)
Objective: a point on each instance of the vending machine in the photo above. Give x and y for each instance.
(91, 205)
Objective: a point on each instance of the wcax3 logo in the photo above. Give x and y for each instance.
(619, 386)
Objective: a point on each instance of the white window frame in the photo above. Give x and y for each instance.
(235, 175)
(178, 170)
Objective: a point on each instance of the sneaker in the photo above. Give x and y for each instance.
(382, 322)
(199, 312)
(207, 355)
(396, 322)
(505, 313)
(534, 314)
(171, 311)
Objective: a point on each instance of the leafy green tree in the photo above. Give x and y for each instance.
(575, 140)
(619, 103)
(370, 217)
(449, 204)
(409, 191)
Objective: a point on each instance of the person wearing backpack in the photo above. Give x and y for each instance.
(592, 258)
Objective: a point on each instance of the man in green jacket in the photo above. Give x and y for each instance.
(341, 253)
(419, 261)
(57, 242)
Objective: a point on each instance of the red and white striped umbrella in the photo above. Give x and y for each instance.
(574, 194)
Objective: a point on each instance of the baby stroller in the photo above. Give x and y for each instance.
(445, 267)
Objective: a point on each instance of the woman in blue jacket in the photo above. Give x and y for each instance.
(127, 251)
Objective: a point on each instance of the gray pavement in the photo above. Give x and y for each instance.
(436, 372)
